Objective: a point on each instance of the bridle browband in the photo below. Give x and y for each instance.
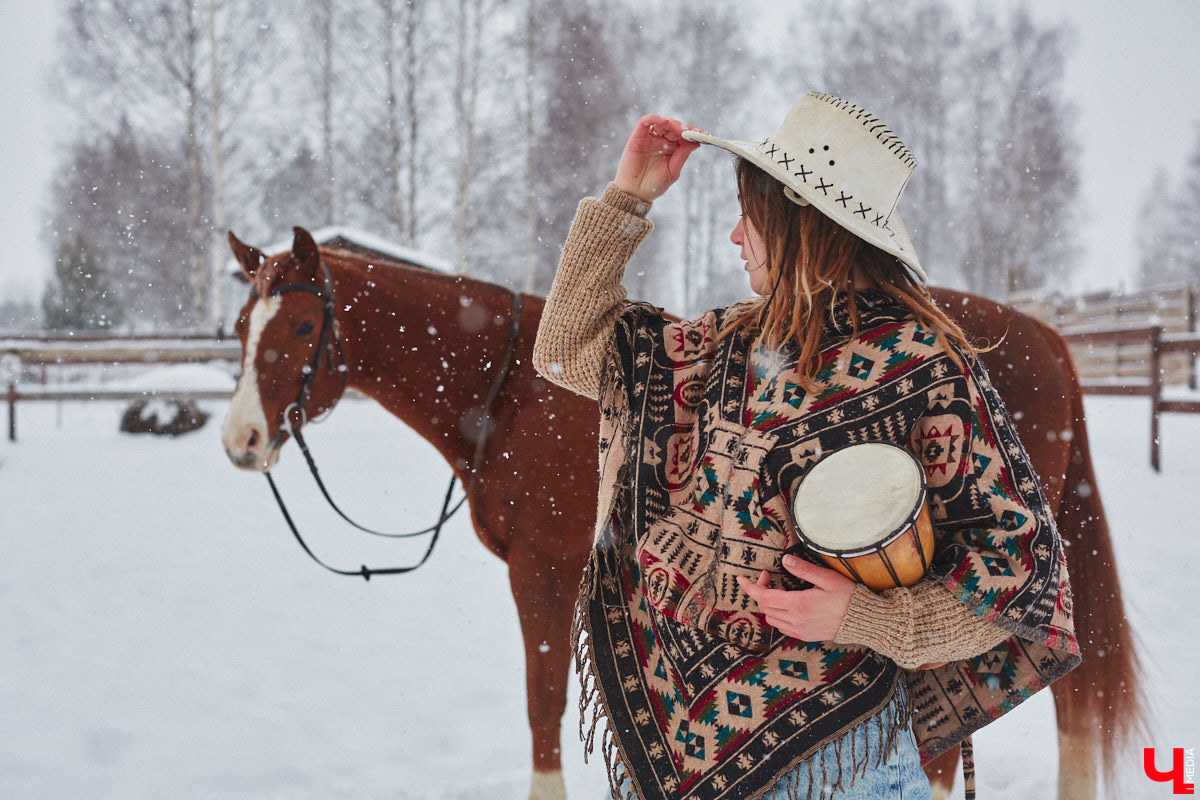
(330, 341)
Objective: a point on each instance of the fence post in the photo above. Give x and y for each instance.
(12, 411)
(1155, 392)
(1190, 296)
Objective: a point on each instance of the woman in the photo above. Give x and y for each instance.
(728, 667)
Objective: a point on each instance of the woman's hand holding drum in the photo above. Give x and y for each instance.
(810, 615)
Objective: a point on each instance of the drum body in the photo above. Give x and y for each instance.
(862, 509)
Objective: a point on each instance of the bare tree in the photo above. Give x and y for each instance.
(469, 55)
(320, 60)
(586, 114)
(384, 169)
(1022, 202)
(534, 102)
(901, 66)
(144, 56)
(216, 158)
(702, 41)
(529, 117)
(412, 76)
(160, 68)
(1168, 242)
(991, 204)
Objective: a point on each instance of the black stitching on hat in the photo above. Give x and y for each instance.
(824, 187)
(862, 210)
(844, 199)
(786, 162)
(873, 124)
(803, 173)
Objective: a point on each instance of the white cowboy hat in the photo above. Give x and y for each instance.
(834, 155)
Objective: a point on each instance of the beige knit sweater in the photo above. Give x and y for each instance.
(915, 626)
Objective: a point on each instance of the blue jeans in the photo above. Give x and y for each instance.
(898, 777)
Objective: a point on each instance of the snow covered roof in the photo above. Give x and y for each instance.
(347, 238)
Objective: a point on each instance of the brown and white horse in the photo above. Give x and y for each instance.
(401, 332)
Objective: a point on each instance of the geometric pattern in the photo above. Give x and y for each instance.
(703, 698)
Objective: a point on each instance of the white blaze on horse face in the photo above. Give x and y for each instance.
(245, 432)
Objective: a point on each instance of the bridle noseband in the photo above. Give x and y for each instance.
(330, 341)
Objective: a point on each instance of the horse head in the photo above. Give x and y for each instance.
(293, 365)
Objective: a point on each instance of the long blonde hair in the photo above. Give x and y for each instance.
(810, 262)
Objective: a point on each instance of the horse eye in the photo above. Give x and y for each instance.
(305, 329)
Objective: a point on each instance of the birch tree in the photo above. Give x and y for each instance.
(469, 55)
(1022, 202)
(387, 177)
(587, 113)
(160, 68)
(319, 55)
(529, 117)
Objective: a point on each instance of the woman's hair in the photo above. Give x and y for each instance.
(810, 258)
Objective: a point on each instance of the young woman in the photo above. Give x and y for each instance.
(725, 665)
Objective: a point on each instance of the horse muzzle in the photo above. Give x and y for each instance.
(248, 448)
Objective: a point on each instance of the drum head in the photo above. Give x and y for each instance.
(856, 499)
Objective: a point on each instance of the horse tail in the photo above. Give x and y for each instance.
(1100, 706)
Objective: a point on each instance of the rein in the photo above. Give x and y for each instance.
(329, 340)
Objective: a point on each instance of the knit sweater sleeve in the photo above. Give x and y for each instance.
(587, 296)
(919, 625)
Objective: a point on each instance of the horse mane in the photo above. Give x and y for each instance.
(370, 262)
(377, 266)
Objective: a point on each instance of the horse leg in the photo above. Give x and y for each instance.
(1098, 706)
(1076, 760)
(544, 589)
(941, 773)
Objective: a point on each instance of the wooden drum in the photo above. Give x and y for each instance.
(863, 510)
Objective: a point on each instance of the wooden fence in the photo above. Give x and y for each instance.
(1107, 358)
(1129, 343)
(21, 353)
(1121, 344)
(1158, 347)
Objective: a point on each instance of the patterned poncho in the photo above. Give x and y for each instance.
(702, 445)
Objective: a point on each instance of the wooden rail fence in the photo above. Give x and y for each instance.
(1174, 308)
(18, 353)
(1158, 347)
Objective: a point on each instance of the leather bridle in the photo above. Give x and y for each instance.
(295, 416)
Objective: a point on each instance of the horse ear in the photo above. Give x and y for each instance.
(250, 258)
(304, 250)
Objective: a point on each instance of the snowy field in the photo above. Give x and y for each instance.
(161, 635)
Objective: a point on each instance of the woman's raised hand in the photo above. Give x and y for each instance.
(653, 157)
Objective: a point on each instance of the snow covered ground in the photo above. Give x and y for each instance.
(161, 635)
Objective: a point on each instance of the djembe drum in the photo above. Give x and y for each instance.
(862, 509)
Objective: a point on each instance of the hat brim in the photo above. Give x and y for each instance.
(898, 243)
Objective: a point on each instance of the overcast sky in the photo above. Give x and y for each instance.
(1134, 73)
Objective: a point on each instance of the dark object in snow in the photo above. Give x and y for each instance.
(163, 416)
